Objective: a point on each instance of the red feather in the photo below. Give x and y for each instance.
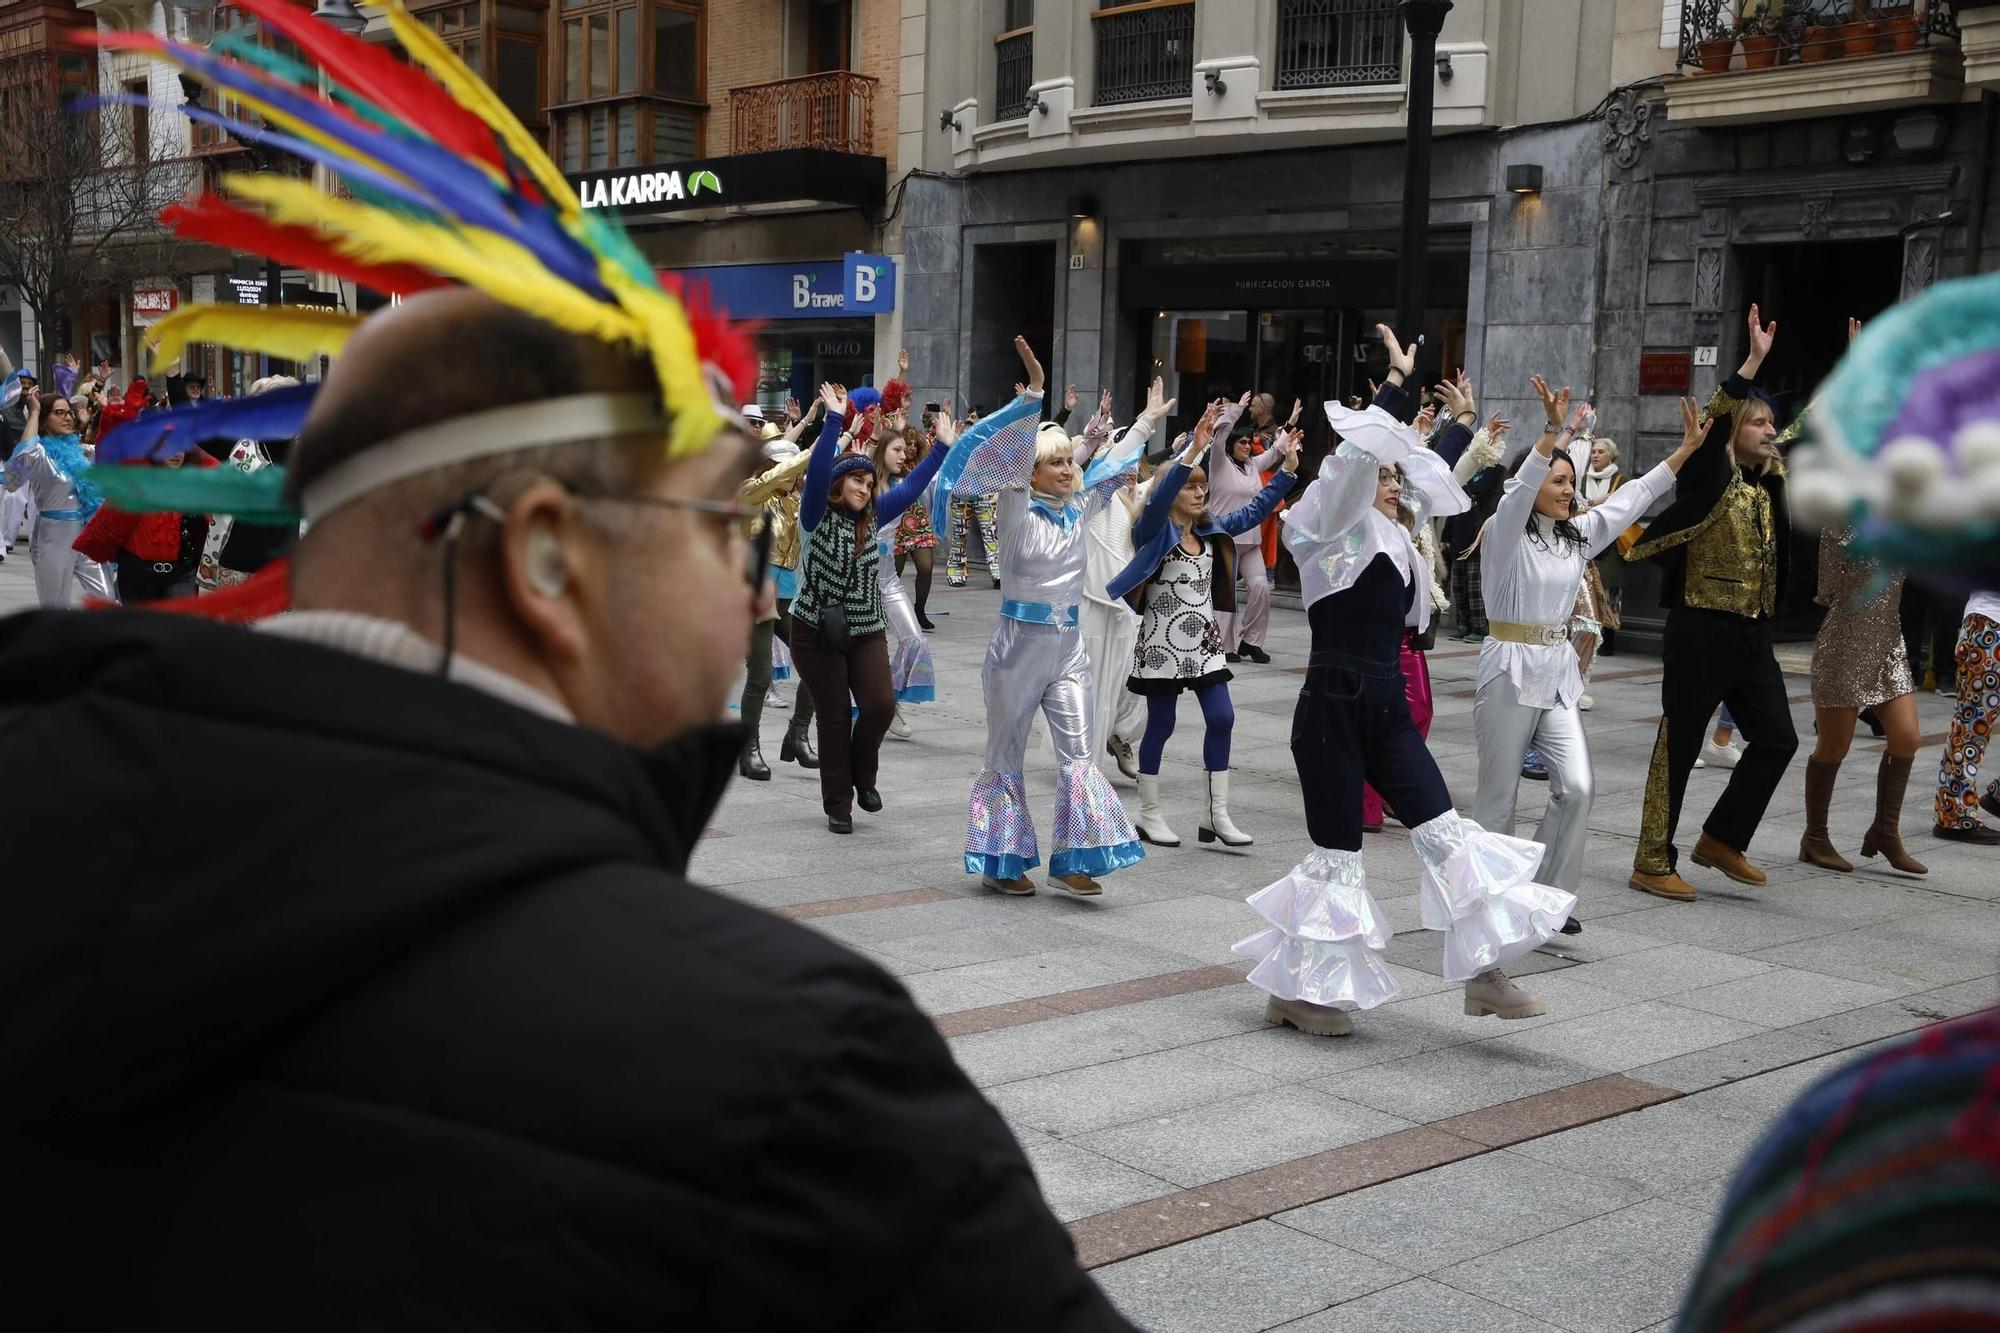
(266, 593)
(729, 347)
(222, 223)
(371, 72)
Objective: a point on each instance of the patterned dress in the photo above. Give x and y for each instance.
(1859, 659)
(914, 531)
(1180, 644)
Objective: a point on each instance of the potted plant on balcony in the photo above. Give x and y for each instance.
(1763, 38)
(1861, 35)
(1900, 29)
(1712, 53)
(1814, 34)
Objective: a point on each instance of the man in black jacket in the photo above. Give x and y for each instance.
(367, 990)
(1722, 544)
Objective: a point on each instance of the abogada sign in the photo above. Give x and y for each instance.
(648, 187)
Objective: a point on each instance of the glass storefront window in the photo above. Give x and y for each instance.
(796, 356)
(1202, 355)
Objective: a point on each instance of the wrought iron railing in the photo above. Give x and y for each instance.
(1144, 52)
(1013, 71)
(1786, 32)
(834, 111)
(1335, 43)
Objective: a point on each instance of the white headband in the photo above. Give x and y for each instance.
(502, 430)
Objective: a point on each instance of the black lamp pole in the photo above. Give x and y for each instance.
(1424, 19)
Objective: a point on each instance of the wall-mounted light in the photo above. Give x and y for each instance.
(947, 122)
(1035, 104)
(1444, 67)
(1212, 78)
(1524, 178)
(341, 15)
(1083, 206)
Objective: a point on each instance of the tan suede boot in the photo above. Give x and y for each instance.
(1885, 836)
(1815, 847)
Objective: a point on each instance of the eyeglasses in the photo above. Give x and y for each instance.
(61, 412)
(760, 537)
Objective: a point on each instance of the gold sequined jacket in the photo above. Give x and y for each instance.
(1723, 542)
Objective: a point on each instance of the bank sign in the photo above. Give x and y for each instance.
(856, 284)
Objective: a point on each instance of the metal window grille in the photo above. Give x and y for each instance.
(1145, 55)
(1013, 70)
(1335, 43)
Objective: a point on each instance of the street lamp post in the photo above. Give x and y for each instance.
(1424, 19)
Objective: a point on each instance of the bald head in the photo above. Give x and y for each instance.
(447, 354)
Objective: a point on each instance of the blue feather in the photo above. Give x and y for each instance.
(458, 192)
(276, 415)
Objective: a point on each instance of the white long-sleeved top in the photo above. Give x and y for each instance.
(1533, 580)
(1108, 532)
(1334, 531)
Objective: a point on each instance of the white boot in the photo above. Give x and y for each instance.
(1152, 828)
(899, 727)
(1217, 824)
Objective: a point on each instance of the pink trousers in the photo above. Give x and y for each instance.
(1416, 689)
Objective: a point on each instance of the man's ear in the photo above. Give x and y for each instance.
(539, 568)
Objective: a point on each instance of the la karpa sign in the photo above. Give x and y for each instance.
(648, 187)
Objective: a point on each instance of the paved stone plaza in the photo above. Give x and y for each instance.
(1431, 1172)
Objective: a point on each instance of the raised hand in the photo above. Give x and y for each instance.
(1458, 398)
(1204, 430)
(1036, 376)
(903, 362)
(1243, 403)
(1069, 398)
(943, 428)
(1693, 430)
(833, 397)
(1402, 360)
(1497, 426)
(1580, 419)
(1761, 337)
(1853, 328)
(1426, 419)
(1555, 405)
(1104, 403)
(1158, 406)
(1019, 388)
(1298, 409)
(1287, 443)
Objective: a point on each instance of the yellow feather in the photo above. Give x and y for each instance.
(427, 49)
(669, 341)
(482, 259)
(292, 333)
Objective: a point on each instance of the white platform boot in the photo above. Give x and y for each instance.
(1152, 828)
(1217, 824)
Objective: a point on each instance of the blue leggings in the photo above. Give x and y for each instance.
(1216, 711)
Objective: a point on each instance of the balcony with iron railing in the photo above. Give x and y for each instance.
(1145, 52)
(1013, 71)
(834, 111)
(1752, 61)
(1339, 43)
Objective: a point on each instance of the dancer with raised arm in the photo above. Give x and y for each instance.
(1183, 579)
(912, 675)
(1533, 558)
(1036, 660)
(1723, 545)
(1110, 627)
(1364, 583)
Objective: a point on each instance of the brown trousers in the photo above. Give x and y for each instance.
(850, 750)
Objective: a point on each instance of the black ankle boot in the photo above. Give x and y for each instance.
(797, 748)
(751, 765)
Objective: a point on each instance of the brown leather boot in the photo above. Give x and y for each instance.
(1884, 835)
(1815, 847)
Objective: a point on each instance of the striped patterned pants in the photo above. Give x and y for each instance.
(963, 512)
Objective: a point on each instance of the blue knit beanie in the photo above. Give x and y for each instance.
(847, 463)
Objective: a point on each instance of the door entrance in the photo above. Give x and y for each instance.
(1811, 289)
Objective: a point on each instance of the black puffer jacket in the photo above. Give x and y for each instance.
(350, 998)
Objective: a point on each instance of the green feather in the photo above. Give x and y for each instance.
(281, 66)
(606, 238)
(254, 497)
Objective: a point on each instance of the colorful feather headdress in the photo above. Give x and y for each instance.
(443, 186)
(1906, 437)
